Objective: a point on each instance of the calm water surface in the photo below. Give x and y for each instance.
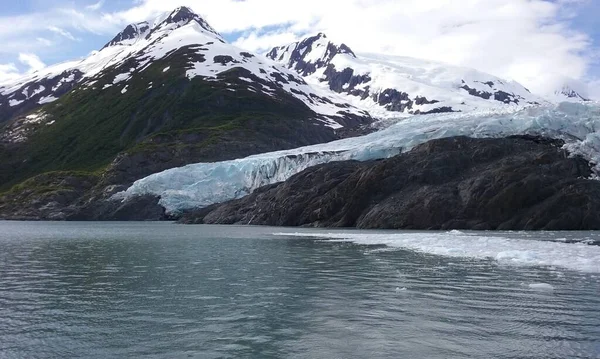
(160, 290)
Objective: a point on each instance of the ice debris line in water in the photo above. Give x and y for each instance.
(504, 250)
(200, 185)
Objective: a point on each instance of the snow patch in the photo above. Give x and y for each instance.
(38, 90)
(122, 77)
(35, 118)
(47, 99)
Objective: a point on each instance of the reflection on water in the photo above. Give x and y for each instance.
(99, 290)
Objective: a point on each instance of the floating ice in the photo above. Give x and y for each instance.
(203, 184)
(508, 251)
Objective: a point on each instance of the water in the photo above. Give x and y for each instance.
(160, 290)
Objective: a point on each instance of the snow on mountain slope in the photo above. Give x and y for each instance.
(138, 45)
(203, 184)
(384, 84)
(568, 94)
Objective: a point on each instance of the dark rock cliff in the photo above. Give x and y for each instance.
(454, 183)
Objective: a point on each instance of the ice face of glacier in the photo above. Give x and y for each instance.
(203, 184)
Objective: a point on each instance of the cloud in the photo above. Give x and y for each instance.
(20, 33)
(96, 6)
(62, 32)
(32, 61)
(594, 89)
(43, 41)
(258, 41)
(8, 72)
(531, 41)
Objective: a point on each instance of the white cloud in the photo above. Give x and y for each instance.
(32, 61)
(526, 40)
(21, 33)
(594, 89)
(62, 32)
(8, 72)
(261, 42)
(43, 41)
(96, 6)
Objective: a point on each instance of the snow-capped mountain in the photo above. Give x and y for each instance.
(386, 85)
(568, 94)
(190, 37)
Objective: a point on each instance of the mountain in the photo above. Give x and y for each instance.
(567, 93)
(140, 45)
(161, 93)
(388, 85)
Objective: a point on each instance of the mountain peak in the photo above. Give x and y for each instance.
(571, 94)
(179, 17)
(309, 54)
(130, 34)
(170, 20)
(182, 13)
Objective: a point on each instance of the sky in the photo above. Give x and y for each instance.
(543, 44)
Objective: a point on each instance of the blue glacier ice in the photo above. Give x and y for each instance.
(202, 184)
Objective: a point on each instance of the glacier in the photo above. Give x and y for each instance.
(202, 184)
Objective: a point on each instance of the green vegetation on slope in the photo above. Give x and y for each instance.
(94, 124)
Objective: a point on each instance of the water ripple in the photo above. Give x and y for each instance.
(161, 290)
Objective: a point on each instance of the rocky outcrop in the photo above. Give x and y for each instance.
(50, 196)
(297, 53)
(74, 196)
(519, 183)
(35, 93)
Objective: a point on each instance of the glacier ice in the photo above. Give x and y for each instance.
(200, 185)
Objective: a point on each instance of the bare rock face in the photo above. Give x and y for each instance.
(518, 183)
(50, 196)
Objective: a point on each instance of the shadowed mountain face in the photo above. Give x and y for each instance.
(454, 183)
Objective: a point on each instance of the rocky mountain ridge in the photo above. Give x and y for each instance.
(141, 44)
(388, 85)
